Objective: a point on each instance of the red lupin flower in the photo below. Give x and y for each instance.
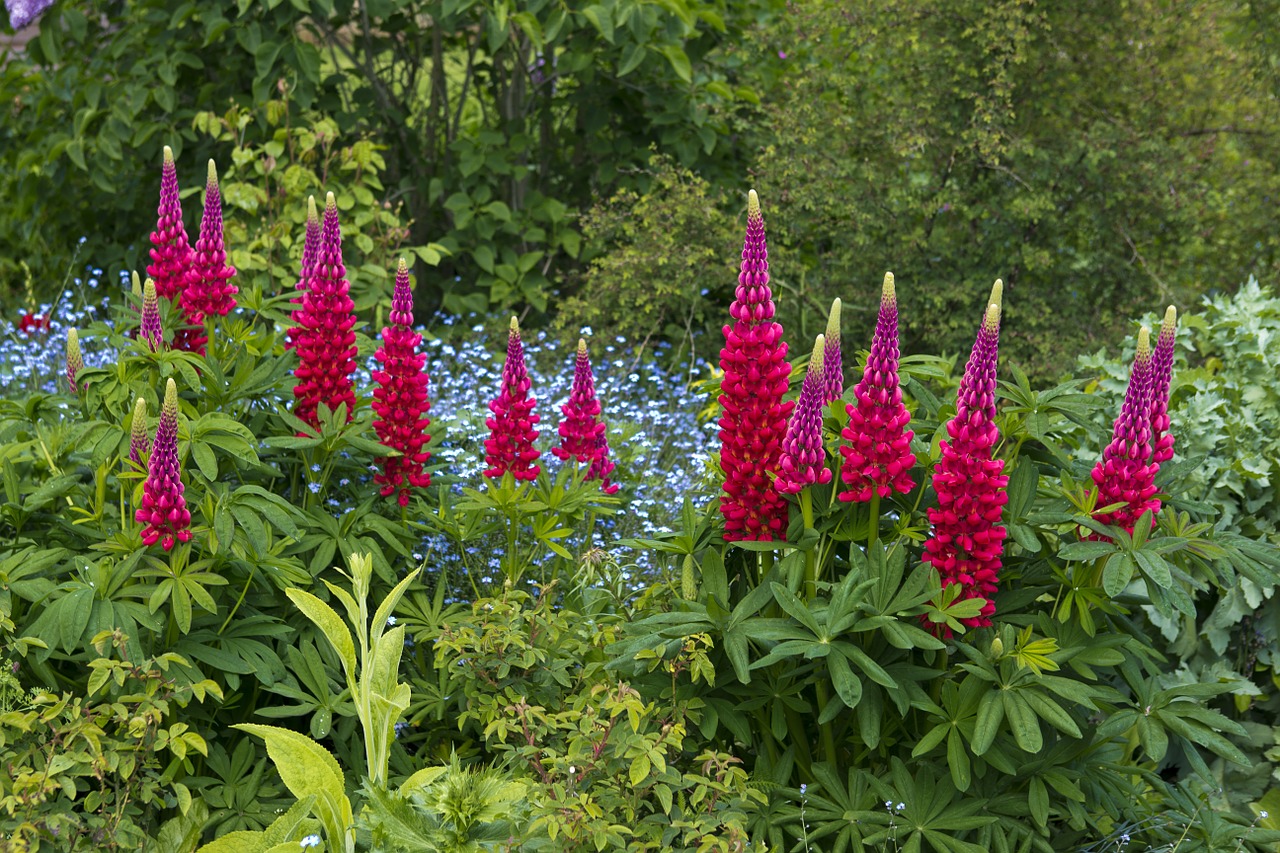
(804, 459)
(1161, 376)
(832, 362)
(582, 433)
(139, 441)
(509, 447)
(327, 345)
(756, 375)
(400, 400)
(310, 249)
(878, 459)
(170, 253)
(149, 327)
(30, 323)
(967, 539)
(1125, 474)
(164, 509)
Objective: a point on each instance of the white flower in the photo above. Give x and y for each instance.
(391, 621)
(310, 841)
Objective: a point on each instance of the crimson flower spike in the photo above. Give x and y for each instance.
(310, 249)
(75, 360)
(582, 433)
(509, 446)
(756, 376)
(1161, 376)
(878, 458)
(164, 509)
(1125, 474)
(170, 252)
(149, 327)
(967, 540)
(400, 398)
(139, 441)
(832, 363)
(327, 345)
(804, 460)
(209, 289)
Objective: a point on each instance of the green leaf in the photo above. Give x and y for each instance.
(990, 716)
(679, 62)
(331, 624)
(1022, 722)
(1080, 551)
(848, 686)
(601, 17)
(1117, 573)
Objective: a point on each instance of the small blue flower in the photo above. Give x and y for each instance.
(314, 487)
(309, 841)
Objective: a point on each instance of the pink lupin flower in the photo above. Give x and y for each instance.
(804, 460)
(1161, 376)
(327, 346)
(310, 250)
(509, 447)
(756, 375)
(164, 509)
(967, 540)
(878, 459)
(149, 327)
(170, 253)
(400, 400)
(75, 360)
(209, 289)
(139, 441)
(832, 362)
(1125, 474)
(582, 433)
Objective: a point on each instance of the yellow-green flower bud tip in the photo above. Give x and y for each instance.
(330, 203)
(997, 293)
(171, 397)
(991, 322)
(833, 319)
(582, 346)
(515, 325)
(140, 411)
(753, 204)
(888, 291)
(73, 345)
(168, 155)
(402, 267)
(1144, 343)
(312, 216)
(819, 354)
(213, 174)
(1170, 317)
(149, 290)
(997, 648)
(137, 285)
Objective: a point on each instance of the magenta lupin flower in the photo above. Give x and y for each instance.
(400, 398)
(756, 376)
(310, 251)
(139, 441)
(878, 458)
(209, 289)
(327, 345)
(804, 459)
(582, 433)
(1161, 376)
(1125, 474)
(509, 447)
(164, 509)
(967, 540)
(149, 327)
(170, 252)
(832, 361)
(75, 360)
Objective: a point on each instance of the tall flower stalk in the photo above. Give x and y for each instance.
(756, 375)
(164, 509)
(1126, 473)
(149, 326)
(75, 360)
(400, 400)
(832, 362)
(509, 447)
(310, 251)
(582, 434)
(209, 290)
(804, 460)
(139, 441)
(967, 539)
(327, 344)
(170, 251)
(1161, 377)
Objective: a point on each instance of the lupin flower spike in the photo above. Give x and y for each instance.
(136, 284)
(1161, 376)
(164, 509)
(75, 361)
(139, 441)
(400, 398)
(878, 458)
(327, 345)
(832, 362)
(149, 328)
(804, 460)
(967, 540)
(1125, 474)
(509, 446)
(582, 433)
(756, 376)
(170, 253)
(310, 249)
(209, 289)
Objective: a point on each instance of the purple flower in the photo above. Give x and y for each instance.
(24, 12)
(832, 364)
(150, 329)
(1161, 375)
(804, 460)
(164, 509)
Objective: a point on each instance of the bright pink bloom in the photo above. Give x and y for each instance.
(756, 376)
(327, 346)
(1125, 474)
(509, 446)
(878, 459)
(149, 328)
(832, 362)
(804, 459)
(171, 254)
(968, 539)
(209, 289)
(1161, 376)
(164, 509)
(310, 249)
(139, 441)
(400, 400)
(582, 433)
(75, 360)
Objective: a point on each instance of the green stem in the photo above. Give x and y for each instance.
(873, 522)
(810, 564)
(828, 733)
